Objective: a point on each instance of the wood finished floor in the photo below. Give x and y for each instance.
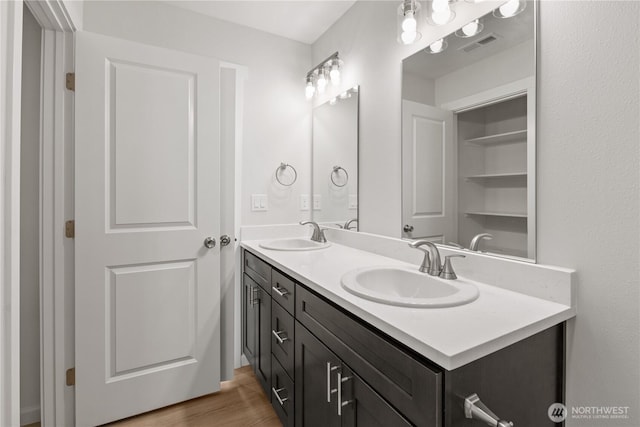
(240, 402)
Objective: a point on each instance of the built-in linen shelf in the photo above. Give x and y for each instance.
(500, 138)
(499, 214)
(498, 175)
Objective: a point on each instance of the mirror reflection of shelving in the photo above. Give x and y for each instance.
(492, 175)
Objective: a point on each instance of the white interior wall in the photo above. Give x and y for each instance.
(418, 89)
(588, 166)
(508, 66)
(335, 143)
(29, 224)
(277, 117)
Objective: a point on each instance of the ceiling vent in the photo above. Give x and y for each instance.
(483, 41)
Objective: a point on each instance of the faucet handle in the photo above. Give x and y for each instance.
(447, 270)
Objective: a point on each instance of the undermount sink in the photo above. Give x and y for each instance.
(296, 244)
(408, 287)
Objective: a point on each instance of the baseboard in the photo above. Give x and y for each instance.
(30, 415)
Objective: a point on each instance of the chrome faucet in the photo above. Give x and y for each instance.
(318, 233)
(475, 242)
(347, 225)
(431, 262)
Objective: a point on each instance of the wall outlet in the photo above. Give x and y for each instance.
(259, 203)
(317, 202)
(304, 202)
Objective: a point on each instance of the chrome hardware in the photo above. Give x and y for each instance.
(280, 291)
(278, 337)
(447, 270)
(330, 390)
(336, 170)
(408, 228)
(277, 395)
(225, 240)
(318, 233)
(255, 296)
(475, 409)
(341, 404)
(209, 242)
(431, 262)
(347, 225)
(281, 169)
(475, 242)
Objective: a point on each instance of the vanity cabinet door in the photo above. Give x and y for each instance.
(249, 322)
(361, 406)
(315, 382)
(256, 330)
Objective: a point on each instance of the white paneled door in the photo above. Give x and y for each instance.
(147, 196)
(428, 173)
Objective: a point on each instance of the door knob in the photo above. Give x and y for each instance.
(209, 242)
(225, 240)
(408, 228)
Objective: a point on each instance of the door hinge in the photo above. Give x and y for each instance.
(70, 229)
(71, 81)
(71, 376)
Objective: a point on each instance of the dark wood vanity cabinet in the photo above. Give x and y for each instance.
(330, 368)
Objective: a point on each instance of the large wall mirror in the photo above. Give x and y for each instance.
(468, 137)
(335, 161)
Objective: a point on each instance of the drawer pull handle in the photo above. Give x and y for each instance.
(330, 390)
(341, 404)
(280, 339)
(280, 291)
(276, 393)
(475, 409)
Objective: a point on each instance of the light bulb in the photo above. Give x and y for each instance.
(321, 83)
(408, 37)
(509, 8)
(437, 46)
(439, 5)
(441, 17)
(309, 90)
(334, 74)
(333, 101)
(409, 23)
(471, 29)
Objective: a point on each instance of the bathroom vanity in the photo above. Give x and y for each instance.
(326, 358)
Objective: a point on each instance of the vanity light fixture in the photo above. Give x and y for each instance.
(441, 13)
(510, 9)
(319, 76)
(471, 29)
(437, 46)
(408, 15)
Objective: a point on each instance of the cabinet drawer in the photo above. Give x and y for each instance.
(282, 394)
(283, 290)
(409, 385)
(258, 270)
(282, 336)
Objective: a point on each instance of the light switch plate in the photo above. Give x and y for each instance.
(317, 202)
(304, 202)
(259, 203)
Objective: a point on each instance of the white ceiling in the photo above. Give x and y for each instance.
(301, 20)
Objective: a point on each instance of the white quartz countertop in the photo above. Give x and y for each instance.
(450, 337)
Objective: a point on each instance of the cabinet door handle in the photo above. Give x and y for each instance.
(276, 393)
(278, 337)
(330, 390)
(255, 296)
(341, 380)
(280, 291)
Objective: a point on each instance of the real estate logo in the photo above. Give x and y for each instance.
(557, 412)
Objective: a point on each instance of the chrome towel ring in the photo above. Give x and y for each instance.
(281, 169)
(336, 171)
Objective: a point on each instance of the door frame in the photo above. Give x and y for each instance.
(10, 104)
(56, 205)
